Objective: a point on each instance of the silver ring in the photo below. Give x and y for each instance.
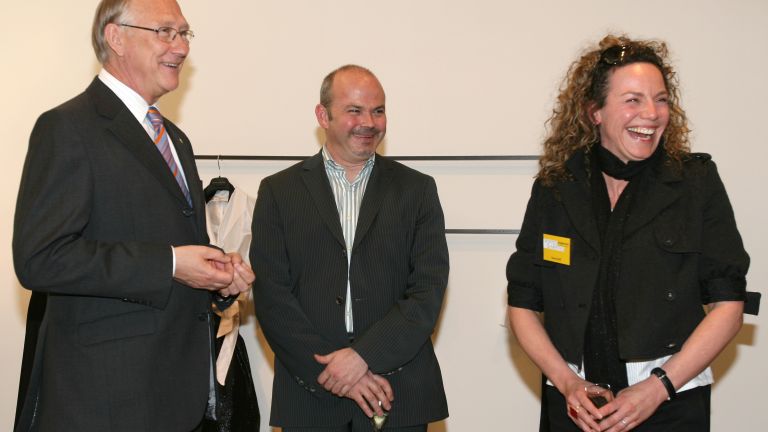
(624, 421)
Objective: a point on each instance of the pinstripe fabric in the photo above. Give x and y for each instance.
(348, 197)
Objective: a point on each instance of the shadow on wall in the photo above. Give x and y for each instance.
(723, 363)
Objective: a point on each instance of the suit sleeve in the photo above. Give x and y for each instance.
(51, 252)
(290, 333)
(394, 340)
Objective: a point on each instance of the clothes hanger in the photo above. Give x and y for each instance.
(218, 184)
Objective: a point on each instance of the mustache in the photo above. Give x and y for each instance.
(362, 130)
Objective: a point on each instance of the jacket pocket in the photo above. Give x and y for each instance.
(116, 327)
(677, 238)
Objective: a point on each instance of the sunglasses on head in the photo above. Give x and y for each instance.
(614, 55)
(619, 55)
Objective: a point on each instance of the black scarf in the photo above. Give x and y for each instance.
(614, 167)
(602, 362)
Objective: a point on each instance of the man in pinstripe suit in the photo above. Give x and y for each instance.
(351, 261)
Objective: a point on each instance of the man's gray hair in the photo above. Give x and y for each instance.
(108, 11)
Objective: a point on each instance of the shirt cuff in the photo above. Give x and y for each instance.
(173, 253)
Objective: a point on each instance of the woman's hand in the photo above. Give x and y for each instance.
(580, 408)
(633, 405)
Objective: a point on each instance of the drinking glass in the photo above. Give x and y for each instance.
(599, 393)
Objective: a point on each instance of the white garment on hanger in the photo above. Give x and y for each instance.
(229, 227)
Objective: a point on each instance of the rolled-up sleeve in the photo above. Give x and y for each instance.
(724, 262)
(523, 275)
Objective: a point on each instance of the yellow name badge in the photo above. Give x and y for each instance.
(557, 249)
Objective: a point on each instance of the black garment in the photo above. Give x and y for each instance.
(35, 313)
(399, 271)
(601, 346)
(122, 345)
(237, 408)
(680, 249)
(359, 425)
(618, 169)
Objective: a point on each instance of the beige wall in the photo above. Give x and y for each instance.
(461, 78)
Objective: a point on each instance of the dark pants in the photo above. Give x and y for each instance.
(357, 426)
(688, 412)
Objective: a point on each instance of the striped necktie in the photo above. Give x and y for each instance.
(164, 147)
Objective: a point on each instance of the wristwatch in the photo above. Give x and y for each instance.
(661, 374)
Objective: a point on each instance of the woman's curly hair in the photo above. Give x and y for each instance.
(570, 128)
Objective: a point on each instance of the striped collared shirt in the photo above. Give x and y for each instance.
(348, 197)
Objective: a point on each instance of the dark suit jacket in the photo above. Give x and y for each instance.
(680, 249)
(122, 346)
(398, 274)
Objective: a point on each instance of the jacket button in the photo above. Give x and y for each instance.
(671, 345)
(670, 296)
(187, 212)
(339, 300)
(203, 316)
(344, 253)
(669, 242)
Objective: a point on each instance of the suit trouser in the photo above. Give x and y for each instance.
(688, 412)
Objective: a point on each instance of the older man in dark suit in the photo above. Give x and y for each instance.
(110, 225)
(351, 261)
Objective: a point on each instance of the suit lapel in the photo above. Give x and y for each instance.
(319, 188)
(377, 188)
(578, 203)
(131, 135)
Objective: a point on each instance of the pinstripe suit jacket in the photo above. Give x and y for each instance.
(123, 346)
(398, 275)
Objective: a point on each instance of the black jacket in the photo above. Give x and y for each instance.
(123, 346)
(398, 274)
(680, 247)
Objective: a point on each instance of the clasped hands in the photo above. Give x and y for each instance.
(208, 268)
(631, 407)
(346, 374)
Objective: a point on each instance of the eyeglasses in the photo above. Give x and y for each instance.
(167, 34)
(615, 54)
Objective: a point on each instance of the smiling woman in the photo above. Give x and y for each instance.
(618, 193)
(462, 78)
(635, 112)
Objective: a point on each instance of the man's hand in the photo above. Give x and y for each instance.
(372, 393)
(343, 369)
(203, 267)
(242, 277)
